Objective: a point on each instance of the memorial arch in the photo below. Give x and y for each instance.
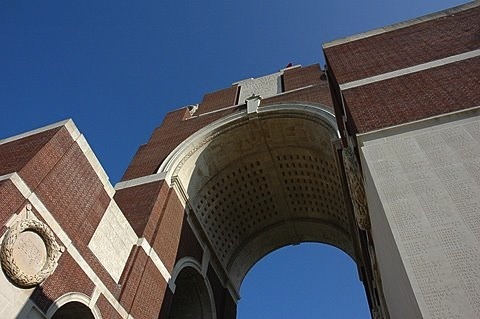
(253, 183)
(392, 180)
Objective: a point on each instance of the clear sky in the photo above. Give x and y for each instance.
(116, 68)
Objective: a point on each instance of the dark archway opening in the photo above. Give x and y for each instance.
(191, 299)
(304, 281)
(73, 310)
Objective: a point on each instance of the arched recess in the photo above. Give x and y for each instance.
(193, 296)
(73, 305)
(253, 183)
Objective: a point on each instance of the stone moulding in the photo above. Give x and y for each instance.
(357, 190)
(9, 265)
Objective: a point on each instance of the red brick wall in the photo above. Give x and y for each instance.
(176, 126)
(411, 97)
(35, 155)
(188, 245)
(62, 178)
(132, 277)
(68, 277)
(64, 181)
(301, 77)
(405, 47)
(76, 198)
(174, 130)
(217, 100)
(46, 158)
(157, 214)
(56, 170)
(144, 288)
(106, 309)
(16, 154)
(415, 96)
(149, 296)
(11, 202)
(162, 222)
(74, 195)
(318, 94)
(137, 204)
(169, 231)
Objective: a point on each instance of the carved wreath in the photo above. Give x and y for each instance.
(8, 261)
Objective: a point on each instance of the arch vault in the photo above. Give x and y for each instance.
(253, 183)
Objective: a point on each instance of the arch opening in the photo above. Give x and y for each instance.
(256, 183)
(73, 310)
(303, 281)
(191, 298)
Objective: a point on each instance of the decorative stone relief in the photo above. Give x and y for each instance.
(29, 252)
(253, 102)
(192, 108)
(357, 190)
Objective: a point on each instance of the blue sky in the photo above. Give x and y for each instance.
(116, 68)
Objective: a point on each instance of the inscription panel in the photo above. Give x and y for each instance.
(113, 240)
(428, 182)
(265, 86)
(30, 252)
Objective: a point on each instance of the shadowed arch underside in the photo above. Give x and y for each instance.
(263, 181)
(73, 310)
(191, 299)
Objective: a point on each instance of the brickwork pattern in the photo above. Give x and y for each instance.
(63, 179)
(219, 99)
(76, 198)
(137, 204)
(11, 201)
(106, 309)
(415, 96)
(16, 154)
(404, 47)
(165, 138)
(319, 94)
(169, 230)
(74, 195)
(132, 277)
(68, 277)
(149, 296)
(189, 245)
(177, 125)
(46, 158)
(297, 78)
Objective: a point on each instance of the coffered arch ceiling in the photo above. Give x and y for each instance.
(257, 182)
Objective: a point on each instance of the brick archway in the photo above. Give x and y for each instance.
(253, 183)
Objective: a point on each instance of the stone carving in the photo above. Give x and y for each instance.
(25, 274)
(357, 190)
(192, 108)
